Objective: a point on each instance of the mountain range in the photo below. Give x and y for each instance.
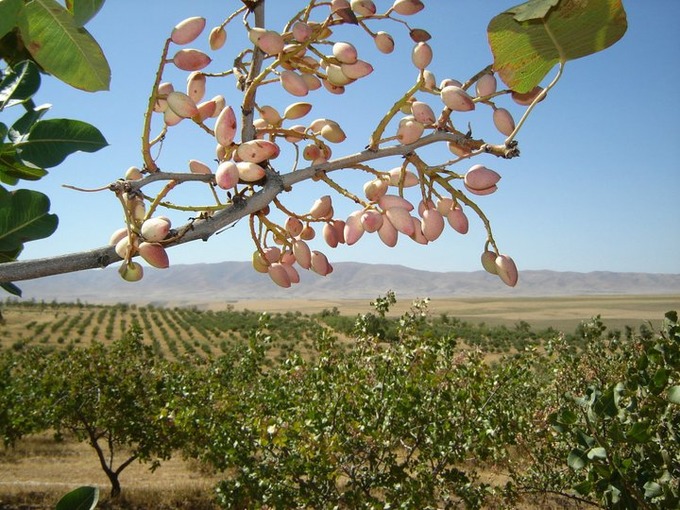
(195, 284)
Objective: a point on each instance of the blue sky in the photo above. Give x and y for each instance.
(596, 186)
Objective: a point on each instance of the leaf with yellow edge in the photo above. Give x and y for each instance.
(528, 40)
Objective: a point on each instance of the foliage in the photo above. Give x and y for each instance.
(115, 398)
(55, 38)
(416, 422)
(23, 406)
(529, 39)
(37, 37)
(405, 423)
(624, 427)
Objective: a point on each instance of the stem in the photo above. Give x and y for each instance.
(342, 190)
(544, 92)
(380, 129)
(149, 163)
(166, 189)
(252, 81)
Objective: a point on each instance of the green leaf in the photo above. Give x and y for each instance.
(639, 432)
(652, 490)
(567, 417)
(23, 124)
(11, 288)
(9, 12)
(577, 459)
(597, 453)
(674, 394)
(525, 51)
(62, 48)
(660, 378)
(533, 9)
(584, 487)
(19, 84)
(84, 10)
(3, 129)
(24, 216)
(82, 498)
(51, 141)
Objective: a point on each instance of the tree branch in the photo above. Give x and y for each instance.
(204, 228)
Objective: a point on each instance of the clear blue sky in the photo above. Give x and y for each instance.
(596, 186)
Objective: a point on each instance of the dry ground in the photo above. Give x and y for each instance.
(562, 313)
(39, 470)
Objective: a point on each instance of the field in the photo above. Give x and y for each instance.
(561, 313)
(210, 330)
(38, 470)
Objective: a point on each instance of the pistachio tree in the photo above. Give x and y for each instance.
(262, 152)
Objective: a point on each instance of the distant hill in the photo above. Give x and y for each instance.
(229, 281)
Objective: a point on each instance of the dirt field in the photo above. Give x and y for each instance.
(562, 313)
(39, 470)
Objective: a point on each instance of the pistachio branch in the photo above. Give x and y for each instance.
(204, 228)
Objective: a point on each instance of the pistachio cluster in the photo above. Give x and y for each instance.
(302, 58)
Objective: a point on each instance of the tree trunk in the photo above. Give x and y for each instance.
(115, 484)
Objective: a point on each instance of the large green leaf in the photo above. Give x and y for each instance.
(84, 10)
(24, 216)
(19, 84)
(9, 12)
(528, 40)
(82, 498)
(50, 141)
(63, 48)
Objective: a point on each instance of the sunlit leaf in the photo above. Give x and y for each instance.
(597, 453)
(9, 11)
(652, 490)
(577, 459)
(24, 216)
(62, 48)
(82, 498)
(84, 10)
(525, 51)
(19, 84)
(674, 394)
(51, 141)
